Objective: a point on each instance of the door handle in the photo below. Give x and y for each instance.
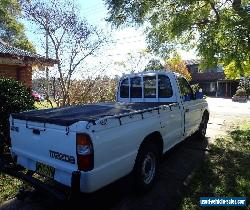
(186, 110)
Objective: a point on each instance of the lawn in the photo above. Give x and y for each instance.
(44, 105)
(225, 171)
(9, 187)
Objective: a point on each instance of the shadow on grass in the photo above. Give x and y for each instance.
(225, 172)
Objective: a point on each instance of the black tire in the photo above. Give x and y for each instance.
(201, 133)
(146, 167)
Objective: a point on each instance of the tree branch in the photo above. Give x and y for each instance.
(212, 4)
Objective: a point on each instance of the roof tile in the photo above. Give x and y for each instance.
(13, 52)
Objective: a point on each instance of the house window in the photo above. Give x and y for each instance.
(164, 87)
(149, 86)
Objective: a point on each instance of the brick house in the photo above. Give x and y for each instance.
(212, 81)
(17, 64)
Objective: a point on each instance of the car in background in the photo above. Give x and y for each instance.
(37, 96)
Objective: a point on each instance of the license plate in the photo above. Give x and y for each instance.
(45, 170)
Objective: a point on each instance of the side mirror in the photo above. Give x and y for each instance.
(198, 95)
(187, 97)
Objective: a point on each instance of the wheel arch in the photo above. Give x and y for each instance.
(155, 138)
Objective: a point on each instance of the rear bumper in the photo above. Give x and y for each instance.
(63, 193)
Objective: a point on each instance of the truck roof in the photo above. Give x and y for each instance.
(152, 72)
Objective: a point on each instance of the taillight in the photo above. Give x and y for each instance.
(84, 151)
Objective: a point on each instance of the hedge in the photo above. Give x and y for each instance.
(14, 97)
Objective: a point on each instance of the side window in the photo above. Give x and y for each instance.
(124, 89)
(136, 88)
(185, 88)
(164, 87)
(149, 86)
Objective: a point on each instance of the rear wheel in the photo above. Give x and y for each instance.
(203, 126)
(146, 167)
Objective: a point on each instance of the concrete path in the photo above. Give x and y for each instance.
(177, 167)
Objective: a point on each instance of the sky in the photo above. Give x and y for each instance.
(130, 38)
(124, 41)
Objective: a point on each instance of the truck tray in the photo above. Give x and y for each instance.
(69, 115)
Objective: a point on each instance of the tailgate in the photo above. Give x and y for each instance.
(48, 149)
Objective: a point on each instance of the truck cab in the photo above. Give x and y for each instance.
(163, 87)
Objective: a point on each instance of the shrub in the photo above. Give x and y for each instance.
(245, 84)
(195, 88)
(241, 92)
(14, 97)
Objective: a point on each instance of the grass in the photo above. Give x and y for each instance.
(225, 171)
(9, 187)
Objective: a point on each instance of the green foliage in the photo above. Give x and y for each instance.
(224, 172)
(154, 65)
(14, 97)
(233, 72)
(219, 29)
(177, 65)
(11, 30)
(245, 84)
(9, 187)
(195, 88)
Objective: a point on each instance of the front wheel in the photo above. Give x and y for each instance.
(146, 167)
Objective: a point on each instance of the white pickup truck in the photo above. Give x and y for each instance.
(86, 147)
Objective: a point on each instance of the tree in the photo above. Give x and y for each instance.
(134, 62)
(71, 39)
(11, 30)
(93, 90)
(177, 65)
(245, 84)
(232, 72)
(154, 65)
(219, 29)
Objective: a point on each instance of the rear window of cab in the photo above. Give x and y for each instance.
(135, 87)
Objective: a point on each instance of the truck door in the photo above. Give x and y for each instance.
(191, 110)
(171, 122)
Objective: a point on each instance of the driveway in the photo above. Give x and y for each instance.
(177, 168)
(222, 111)
(220, 107)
